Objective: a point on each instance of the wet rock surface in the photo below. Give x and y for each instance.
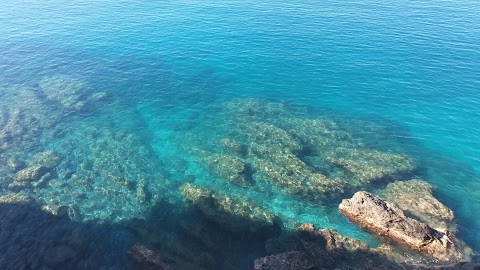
(388, 220)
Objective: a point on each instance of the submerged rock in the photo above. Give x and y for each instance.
(415, 198)
(293, 260)
(14, 165)
(370, 165)
(48, 159)
(146, 257)
(386, 219)
(56, 210)
(233, 146)
(16, 199)
(230, 168)
(31, 173)
(71, 93)
(231, 213)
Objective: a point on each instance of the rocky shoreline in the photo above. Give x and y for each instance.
(67, 166)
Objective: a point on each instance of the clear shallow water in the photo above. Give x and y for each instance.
(403, 77)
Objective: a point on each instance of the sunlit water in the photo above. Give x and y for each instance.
(401, 77)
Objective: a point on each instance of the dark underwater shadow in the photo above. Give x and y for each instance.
(32, 238)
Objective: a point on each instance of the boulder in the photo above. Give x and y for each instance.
(388, 220)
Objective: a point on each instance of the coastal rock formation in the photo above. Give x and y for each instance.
(292, 260)
(231, 213)
(328, 249)
(416, 199)
(388, 220)
(146, 257)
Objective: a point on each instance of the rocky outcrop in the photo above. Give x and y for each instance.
(388, 220)
(146, 257)
(416, 199)
(292, 260)
(235, 214)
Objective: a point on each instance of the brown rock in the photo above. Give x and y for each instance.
(386, 219)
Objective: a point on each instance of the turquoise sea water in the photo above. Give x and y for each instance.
(400, 77)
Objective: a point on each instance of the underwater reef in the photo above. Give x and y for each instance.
(243, 187)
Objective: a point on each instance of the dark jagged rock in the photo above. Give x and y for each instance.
(292, 260)
(388, 220)
(146, 257)
(231, 213)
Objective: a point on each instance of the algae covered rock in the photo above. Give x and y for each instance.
(388, 220)
(14, 165)
(15, 198)
(296, 178)
(231, 213)
(230, 168)
(233, 146)
(31, 173)
(48, 159)
(70, 92)
(370, 165)
(415, 198)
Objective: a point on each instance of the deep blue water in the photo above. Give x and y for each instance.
(403, 76)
